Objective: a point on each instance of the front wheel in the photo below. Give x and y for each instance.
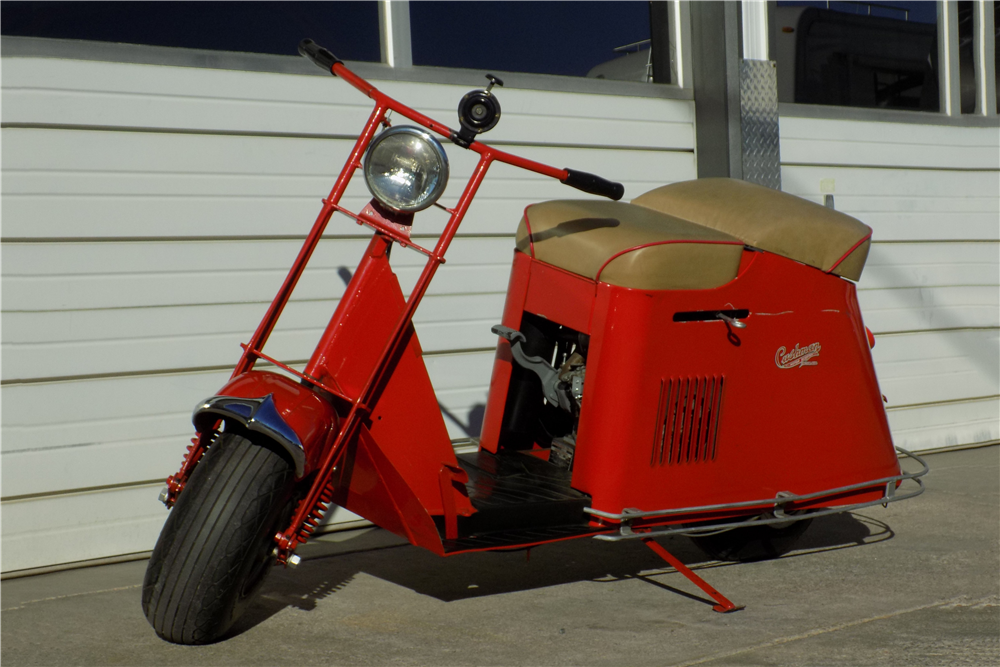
(216, 546)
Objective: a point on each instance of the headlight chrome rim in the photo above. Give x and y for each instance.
(427, 197)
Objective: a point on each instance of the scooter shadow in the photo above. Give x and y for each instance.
(323, 572)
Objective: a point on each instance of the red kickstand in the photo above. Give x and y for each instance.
(724, 606)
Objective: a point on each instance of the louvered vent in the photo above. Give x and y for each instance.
(687, 423)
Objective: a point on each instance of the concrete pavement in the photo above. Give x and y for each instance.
(917, 583)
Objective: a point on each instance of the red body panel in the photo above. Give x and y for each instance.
(357, 332)
(560, 296)
(545, 290)
(815, 424)
(369, 485)
(405, 423)
(313, 419)
(517, 290)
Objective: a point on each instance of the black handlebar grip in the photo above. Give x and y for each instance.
(595, 185)
(316, 53)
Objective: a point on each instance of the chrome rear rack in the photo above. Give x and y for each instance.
(773, 506)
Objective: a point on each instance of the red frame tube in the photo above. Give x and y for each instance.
(266, 325)
(360, 406)
(383, 105)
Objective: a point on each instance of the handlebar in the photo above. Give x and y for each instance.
(593, 184)
(580, 180)
(316, 53)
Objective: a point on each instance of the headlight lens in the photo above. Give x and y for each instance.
(406, 168)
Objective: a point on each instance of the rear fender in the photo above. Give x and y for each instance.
(276, 407)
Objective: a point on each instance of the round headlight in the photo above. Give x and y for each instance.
(406, 168)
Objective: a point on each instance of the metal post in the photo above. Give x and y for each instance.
(755, 35)
(949, 80)
(983, 44)
(715, 69)
(735, 92)
(394, 32)
(680, 43)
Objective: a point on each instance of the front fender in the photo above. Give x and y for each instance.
(295, 418)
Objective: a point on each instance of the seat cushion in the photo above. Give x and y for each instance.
(770, 220)
(626, 245)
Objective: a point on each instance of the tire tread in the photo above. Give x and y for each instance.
(193, 579)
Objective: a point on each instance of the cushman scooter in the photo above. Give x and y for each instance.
(693, 362)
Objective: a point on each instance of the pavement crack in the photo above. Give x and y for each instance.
(960, 601)
(71, 595)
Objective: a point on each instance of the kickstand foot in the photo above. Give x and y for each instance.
(723, 606)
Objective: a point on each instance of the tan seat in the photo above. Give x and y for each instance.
(627, 245)
(770, 220)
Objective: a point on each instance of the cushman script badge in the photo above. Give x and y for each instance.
(799, 356)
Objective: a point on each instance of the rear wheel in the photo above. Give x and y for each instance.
(216, 546)
(752, 542)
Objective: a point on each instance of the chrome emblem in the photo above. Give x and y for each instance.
(799, 356)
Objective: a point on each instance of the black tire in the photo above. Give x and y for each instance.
(753, 542)
(216, 546)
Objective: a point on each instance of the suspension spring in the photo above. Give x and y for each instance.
(176, 482)
(316, 514)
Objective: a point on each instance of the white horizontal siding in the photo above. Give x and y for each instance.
(931, 288)
(895, 145)
(55, 439)
(938, 366)
(149, 215)
(83, 526)
(65, 343)
(80, 526)
(906, 204)
(84, 308)
(129, 275)
(92, 184)
(925, 308)
(118, 95)
(946, 424)
(907, 265)
(910, 287)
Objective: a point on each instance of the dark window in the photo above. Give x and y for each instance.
(598, 39)
(966, 63)
(858, 54)
(349, 29)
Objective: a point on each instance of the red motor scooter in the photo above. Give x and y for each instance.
(694, 362)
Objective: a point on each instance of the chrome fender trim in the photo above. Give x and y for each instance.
(255, 414)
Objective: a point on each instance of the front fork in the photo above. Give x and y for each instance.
(316, 502)
(301, 531)
(199, 444)
(177, 481)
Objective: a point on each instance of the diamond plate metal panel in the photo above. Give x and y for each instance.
(759, 122)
